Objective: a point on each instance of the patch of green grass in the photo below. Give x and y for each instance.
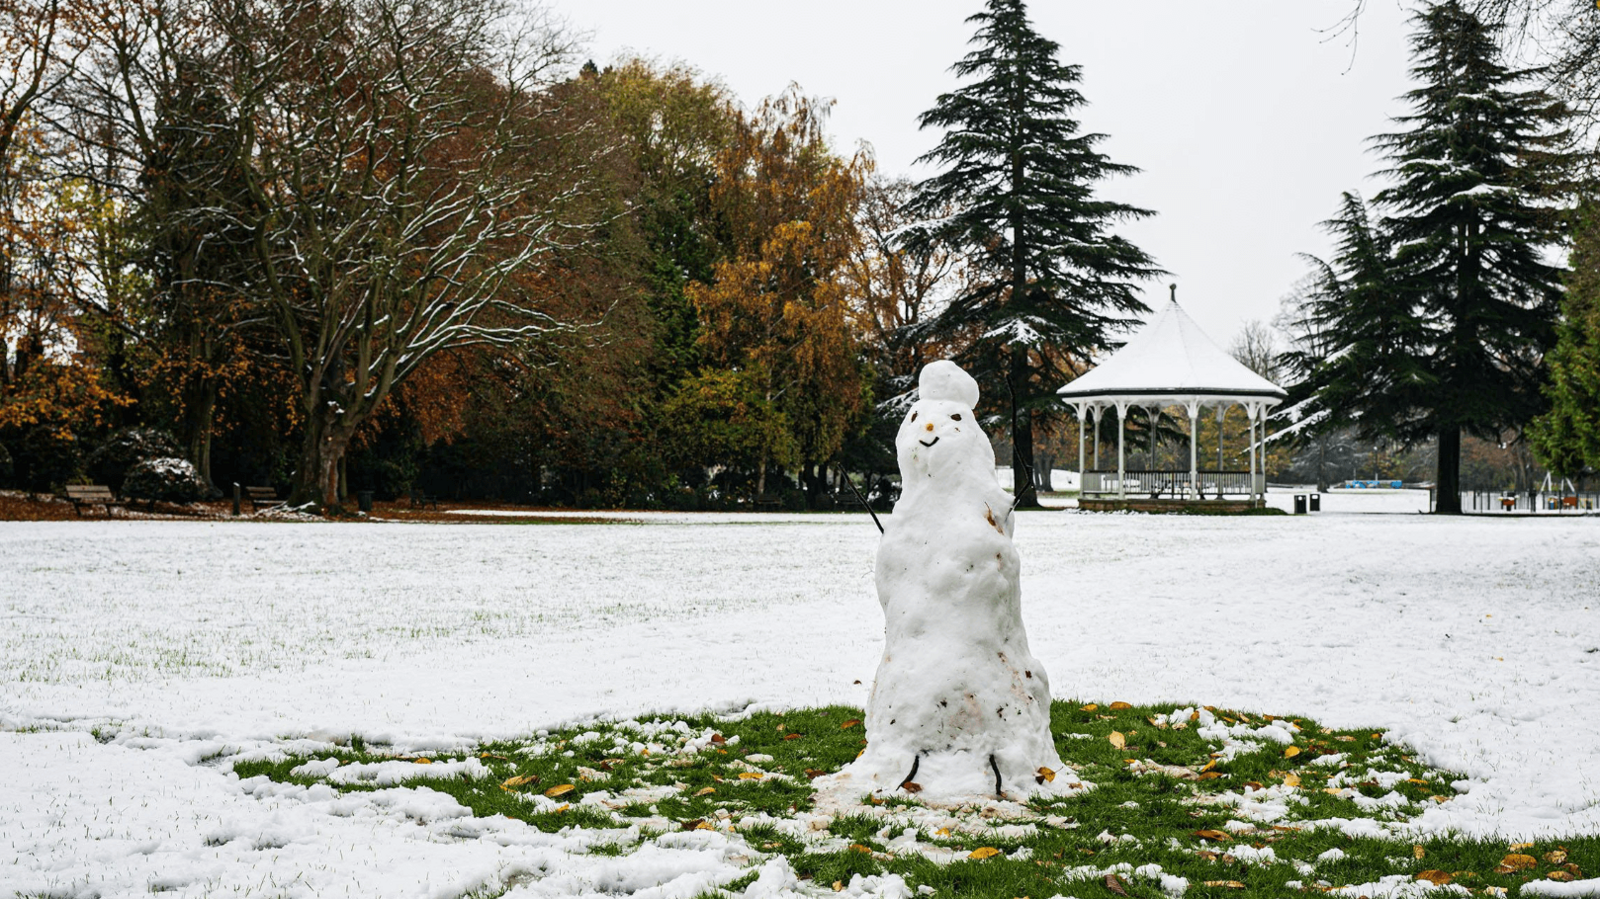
(1237, 803)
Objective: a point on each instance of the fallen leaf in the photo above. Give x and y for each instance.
(1210, 775)
(1416, 780)
(511, 783)
(423, 761)
(851, 723)
(1207, 854)
(814, 773)
(691, 825)
(1419, 852)
(490, 755)
(562, 790)
(1291, 780)
(1516, 862)
(793, 736)
(1563, 876)
(706, 791)
(1089, 708)
(1114, 884)
(1118, 706)
(942, 832)
(1556, 856)
(718, 739)
(1518, 846)
(857, 847)
(1345, 738)
(911, 786)
(1437, 878)
(1229, 884)
(1253, 784)
(983, 852)
(1216, 835)
(1209, 765)
(839, 885)
(1291, 752)
(751, 775)
(1046, 775)
(1117, 739)
(704, 825)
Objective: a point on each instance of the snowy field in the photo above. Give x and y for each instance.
(136, 658)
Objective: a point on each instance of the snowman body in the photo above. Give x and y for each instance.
(959, 706)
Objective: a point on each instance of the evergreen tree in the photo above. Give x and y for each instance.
(1567, 438)
(1055, 282)
(1448, 303)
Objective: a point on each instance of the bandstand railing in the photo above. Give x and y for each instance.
(1171, 484)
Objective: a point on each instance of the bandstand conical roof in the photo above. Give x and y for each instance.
(1171, 360)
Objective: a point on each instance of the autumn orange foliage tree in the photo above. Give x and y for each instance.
(778, 311)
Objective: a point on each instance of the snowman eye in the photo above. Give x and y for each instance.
(913, 416)
(956, 416)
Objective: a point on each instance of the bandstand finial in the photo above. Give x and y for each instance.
(1174, 288)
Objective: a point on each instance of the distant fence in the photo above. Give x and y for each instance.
(1170, 483)
(1372, 485)
(1531, 502)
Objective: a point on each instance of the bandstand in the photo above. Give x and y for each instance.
(1170, 363)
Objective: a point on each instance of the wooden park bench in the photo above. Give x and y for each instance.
(766, 502)
(262, 497)
(421, 500)
(81, 495)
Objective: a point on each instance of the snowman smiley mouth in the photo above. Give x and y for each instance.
(927, 443)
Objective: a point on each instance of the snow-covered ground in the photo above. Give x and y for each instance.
(1477, 641)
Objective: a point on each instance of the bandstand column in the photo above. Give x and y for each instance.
(1193, 408)
(1122, 466)
(1082, 409)
(1250, 412)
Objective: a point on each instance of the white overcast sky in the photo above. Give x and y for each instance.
(1246, 117)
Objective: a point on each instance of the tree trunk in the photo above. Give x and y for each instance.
(1447, 484)
(1322, 464)
(761, 480)
(1021, 437)
(316, 479)
(1047, 463)
(202, 412)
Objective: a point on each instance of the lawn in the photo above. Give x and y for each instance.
(159, 676)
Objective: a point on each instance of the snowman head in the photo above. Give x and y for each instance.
(940, 443)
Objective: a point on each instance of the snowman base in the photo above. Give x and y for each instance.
(953, 778)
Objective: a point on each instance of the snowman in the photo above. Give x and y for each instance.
(960, 709)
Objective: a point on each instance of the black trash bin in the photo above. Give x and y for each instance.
(364, 500)
(1299, 504)
(1316, 502)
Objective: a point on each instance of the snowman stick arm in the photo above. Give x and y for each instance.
(863, 501)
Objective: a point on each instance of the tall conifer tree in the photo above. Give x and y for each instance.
(1471, 216)
(1567, 438)
(1020, 177)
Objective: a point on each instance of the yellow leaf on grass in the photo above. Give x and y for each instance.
(1563, 876)
(1210, 775)
(1209, 765)
(1119, 706)
(1556, 856)
(1048, 774)
(1228, 884)
(1117, 739)
(1419, 852)
(706, 791)
(423, 761)
(518, 781)
(857, 847)
(562, 790)
(851, 723)
(1437, 878)
(1516, 862)
(751, 775)
(1514, 847)
(1089, 708)
(1215, 835)
(703, 825)
(983, 852)
(1291, 780)
(1291, 752)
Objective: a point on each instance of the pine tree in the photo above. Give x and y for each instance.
(1567, 438)
(1474, 206)
(1020, 176)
